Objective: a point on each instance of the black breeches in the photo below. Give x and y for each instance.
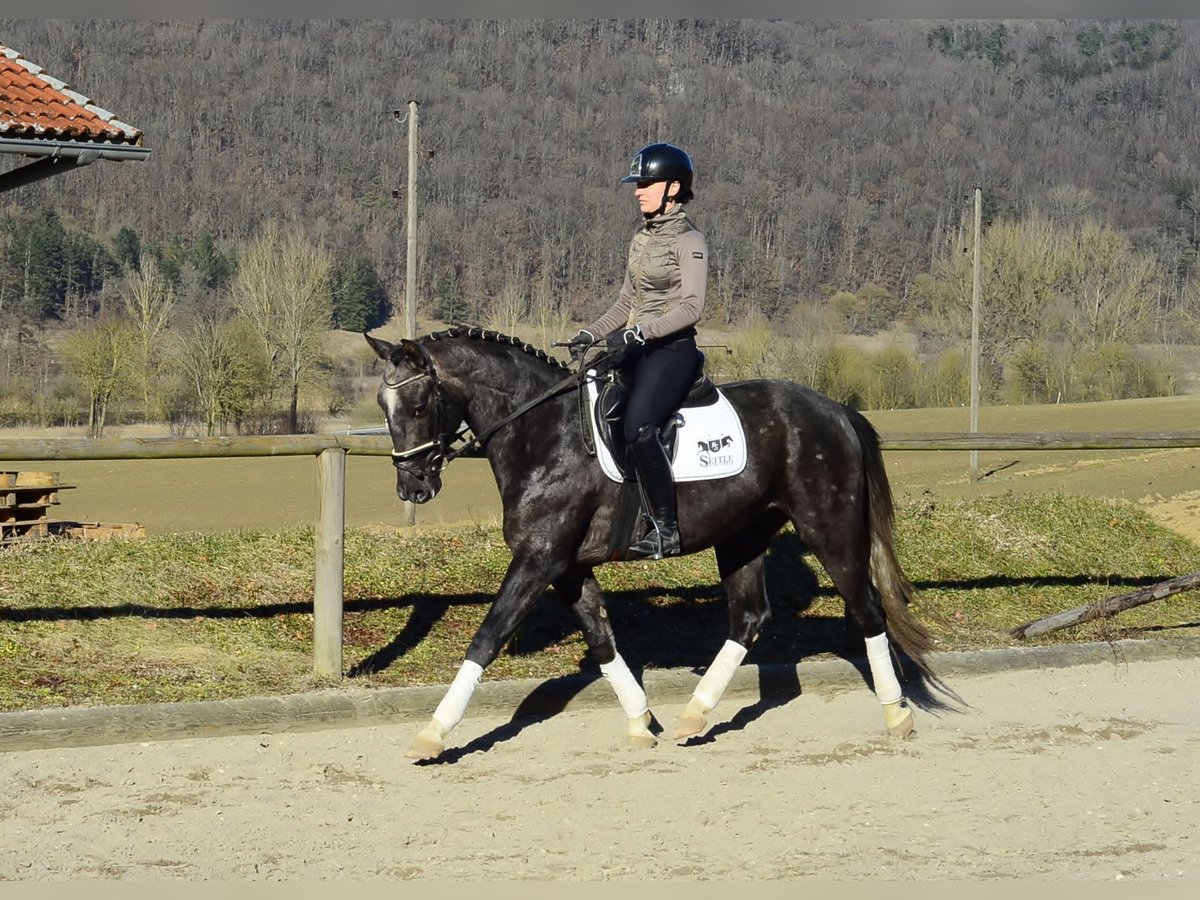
(662, 373)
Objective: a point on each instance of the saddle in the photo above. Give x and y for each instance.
(703, 439)
(609, 411)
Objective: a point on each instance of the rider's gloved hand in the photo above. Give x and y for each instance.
(622, 343)
(578, 345)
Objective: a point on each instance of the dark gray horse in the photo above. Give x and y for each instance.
(811, 461)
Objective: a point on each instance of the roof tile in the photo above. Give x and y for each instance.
(34, 104)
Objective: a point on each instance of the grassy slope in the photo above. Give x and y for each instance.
(207, 616)
(217, 601)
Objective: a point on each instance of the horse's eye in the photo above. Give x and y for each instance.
(420, 411)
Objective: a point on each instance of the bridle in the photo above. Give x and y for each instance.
(437, 450)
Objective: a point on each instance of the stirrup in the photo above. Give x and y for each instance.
(659, 543)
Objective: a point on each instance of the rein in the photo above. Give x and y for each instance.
(476, 444)
(441, 442)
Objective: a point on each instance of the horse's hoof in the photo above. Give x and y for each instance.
(429, 743)
(691, 721)
(898, 718)
(639, 732)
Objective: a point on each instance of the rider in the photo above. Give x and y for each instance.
(651, 328)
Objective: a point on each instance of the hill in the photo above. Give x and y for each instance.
(831, 155)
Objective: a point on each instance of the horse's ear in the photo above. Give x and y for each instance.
(415, 355)
(382, 348)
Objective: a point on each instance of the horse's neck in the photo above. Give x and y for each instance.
(494, 386)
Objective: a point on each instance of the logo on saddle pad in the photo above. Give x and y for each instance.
(710, 453)
(709, 441)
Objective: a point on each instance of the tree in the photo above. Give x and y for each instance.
(41, 249)
(213, 268)
(281, 289)
(148, 299)
(1114, 290)
(127, 248)
(1082, 284)
(360, 301)
(100, 357)
(222, 366)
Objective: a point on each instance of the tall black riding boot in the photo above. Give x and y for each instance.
(657, 483)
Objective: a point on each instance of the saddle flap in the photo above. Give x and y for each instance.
(608, 420)
(703, 441)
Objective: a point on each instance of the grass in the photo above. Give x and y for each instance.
(203, 616)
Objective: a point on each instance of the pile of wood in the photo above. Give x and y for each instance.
(25, 501)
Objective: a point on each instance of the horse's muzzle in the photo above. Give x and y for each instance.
(417, 490)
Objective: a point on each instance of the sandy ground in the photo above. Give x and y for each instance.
(1085, 772)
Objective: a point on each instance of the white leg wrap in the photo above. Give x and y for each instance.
(887, 688)
(712, 686)
(454, 705)
(629, 693)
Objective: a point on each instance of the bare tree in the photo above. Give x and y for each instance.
(222, 367)
(148, 299)
(282, 290)
(101, 360)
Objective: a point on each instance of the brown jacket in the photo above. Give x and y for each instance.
(665, 279)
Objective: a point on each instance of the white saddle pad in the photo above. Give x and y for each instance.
(708, 444)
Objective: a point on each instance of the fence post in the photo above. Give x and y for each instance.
(330, 560)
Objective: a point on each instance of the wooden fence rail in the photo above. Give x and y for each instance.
(331, 450)
(965, 440)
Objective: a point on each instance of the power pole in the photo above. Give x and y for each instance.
(410, 285)
(975, 336)
(409, 514)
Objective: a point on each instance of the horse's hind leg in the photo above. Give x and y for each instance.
(583, 593)
(849, 571)
(742, 565)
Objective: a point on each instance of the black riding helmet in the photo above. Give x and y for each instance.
(662, 162)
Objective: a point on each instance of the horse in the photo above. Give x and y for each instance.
(811, 461)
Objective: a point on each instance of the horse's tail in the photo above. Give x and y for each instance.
(895, 590)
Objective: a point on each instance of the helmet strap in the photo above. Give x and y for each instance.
(662, 207)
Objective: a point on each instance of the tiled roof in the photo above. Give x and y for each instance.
(34, 105)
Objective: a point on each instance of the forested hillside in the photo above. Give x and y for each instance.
(835, 161)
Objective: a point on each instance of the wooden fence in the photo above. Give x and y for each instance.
(331, 449)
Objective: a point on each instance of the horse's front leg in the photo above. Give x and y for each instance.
(524, 583)
(586, 599)
(742, 564)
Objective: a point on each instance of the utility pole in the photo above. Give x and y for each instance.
(409, 513)
(975, 336)
(410, 285)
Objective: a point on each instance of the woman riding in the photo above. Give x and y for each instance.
(651, 329)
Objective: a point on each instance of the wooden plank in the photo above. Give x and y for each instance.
(380, 445)
(18, 532)
(35, 479)
(191, 448)
(95, 531)
(965, 440)
(1108, 607)
(43, 505)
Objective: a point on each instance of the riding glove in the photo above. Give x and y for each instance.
(579, 344)
(621, 343)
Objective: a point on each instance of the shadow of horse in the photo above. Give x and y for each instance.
(687, 631)
(675, 628)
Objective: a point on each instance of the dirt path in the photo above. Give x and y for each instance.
(1084, 772)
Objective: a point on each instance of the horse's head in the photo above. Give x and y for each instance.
(414, 402)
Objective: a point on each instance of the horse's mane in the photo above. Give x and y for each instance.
(475, 332)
